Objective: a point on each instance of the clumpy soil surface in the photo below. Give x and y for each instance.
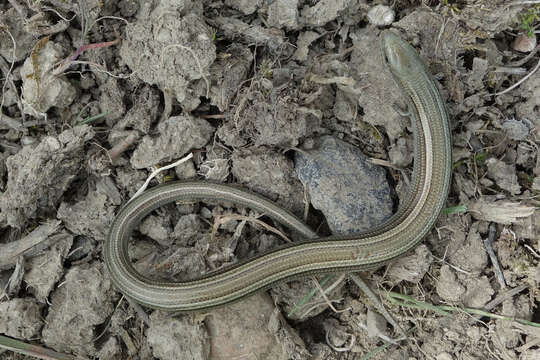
(290, 99)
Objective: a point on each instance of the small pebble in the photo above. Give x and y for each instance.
(516, 130)
(27, 140)
(524, 43)
(381, 15)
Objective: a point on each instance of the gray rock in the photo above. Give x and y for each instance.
(352, 193)
(250, 329)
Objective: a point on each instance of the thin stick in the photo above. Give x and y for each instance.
(109, 17)
(2, 116)
(488, 243)
(535, 254)
(507, 295)
(316, 305)
(59, 15)
(361, 283)
(519, 82)
(524, 2)
(526, 58)
(407, 301)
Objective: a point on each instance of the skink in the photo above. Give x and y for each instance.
(363, 251)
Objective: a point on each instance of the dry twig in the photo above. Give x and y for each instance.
(488, 243)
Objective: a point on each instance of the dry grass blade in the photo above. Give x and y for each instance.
(325, 297)
(220, 220)
(33, 350)
(64, 65)
(366, 289)
(446, 310)
(488, 243)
